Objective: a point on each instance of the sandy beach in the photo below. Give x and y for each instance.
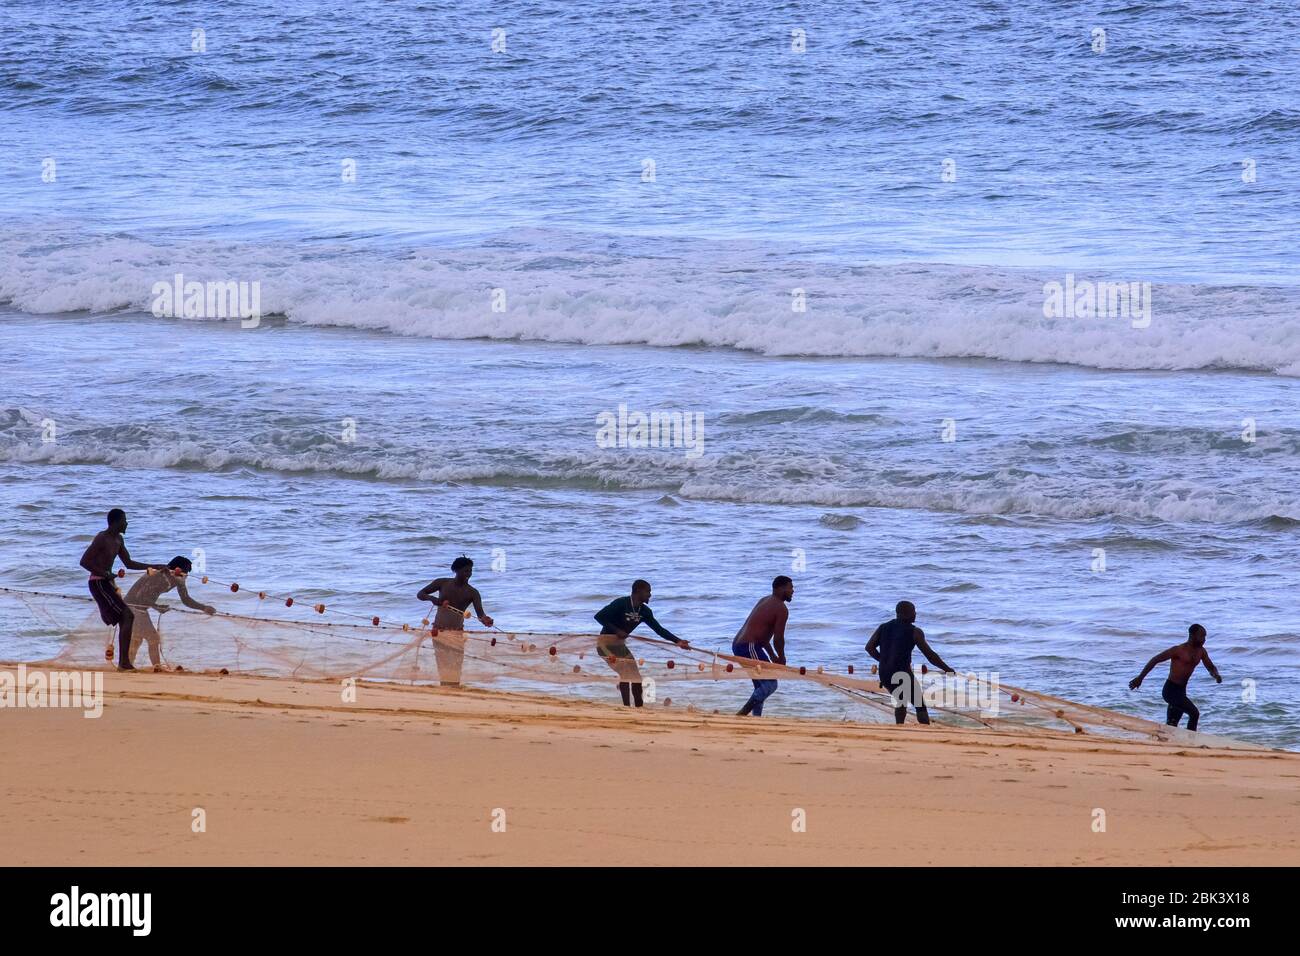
(285, 772)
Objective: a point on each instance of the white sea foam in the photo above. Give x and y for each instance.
(715, 295)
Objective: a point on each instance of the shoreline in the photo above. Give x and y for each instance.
(286, 772)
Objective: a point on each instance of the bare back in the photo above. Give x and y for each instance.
(761, 625)
(102, 552)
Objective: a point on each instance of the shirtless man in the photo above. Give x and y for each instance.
(454, 595)
(619, 618)
(892, 645)
(98, 559)
(143, 597)
(1182, 659)
(764, 627)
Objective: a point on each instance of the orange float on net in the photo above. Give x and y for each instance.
(577, 669)
(234, 586)
(873, 668)
(552, 651)
(121, 572)
(320, 608)
(924, 669)
(730, 668)
(261, 595)
(204, 579)
(406, 627)
(671, 665)
(850, 668)
(803, 670)
(494, 642)
(288, 602)
(374, 621)
(1015, 698)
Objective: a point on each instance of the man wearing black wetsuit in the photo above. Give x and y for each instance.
(892, 645)
(617, 620)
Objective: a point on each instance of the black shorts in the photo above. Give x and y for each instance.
(111, 606)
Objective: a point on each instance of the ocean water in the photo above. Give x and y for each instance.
(835, 260)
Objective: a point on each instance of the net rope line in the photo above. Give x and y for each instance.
(706, 664)
(864, 690)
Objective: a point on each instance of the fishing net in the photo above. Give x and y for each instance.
(279, 636)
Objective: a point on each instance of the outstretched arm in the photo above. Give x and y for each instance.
(134, 565)
(648, 616)
(1209, 666)
(478, 609)
(929, 652)
(1136, 682)
(189, 602)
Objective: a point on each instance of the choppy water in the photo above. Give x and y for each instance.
(774, 171)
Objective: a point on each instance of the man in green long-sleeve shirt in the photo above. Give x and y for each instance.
(617, 620)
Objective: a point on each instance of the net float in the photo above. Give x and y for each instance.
(234, 586)
(803, 670)
(552, 651)
(204, 579)
(320, 608)
(1015, 698)
(374, 621)
(730, 668)
(577, 669)
(261, 595)
(494, 642)
(671, 665)
(288, 602)
(850, 668)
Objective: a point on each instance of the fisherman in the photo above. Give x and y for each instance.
(98, 559)
(455, 594)
(1182, 659)
(892, 645)
(143, 597)
(762, 638)
(617, 620)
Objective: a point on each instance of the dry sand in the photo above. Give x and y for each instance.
(287, 773)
